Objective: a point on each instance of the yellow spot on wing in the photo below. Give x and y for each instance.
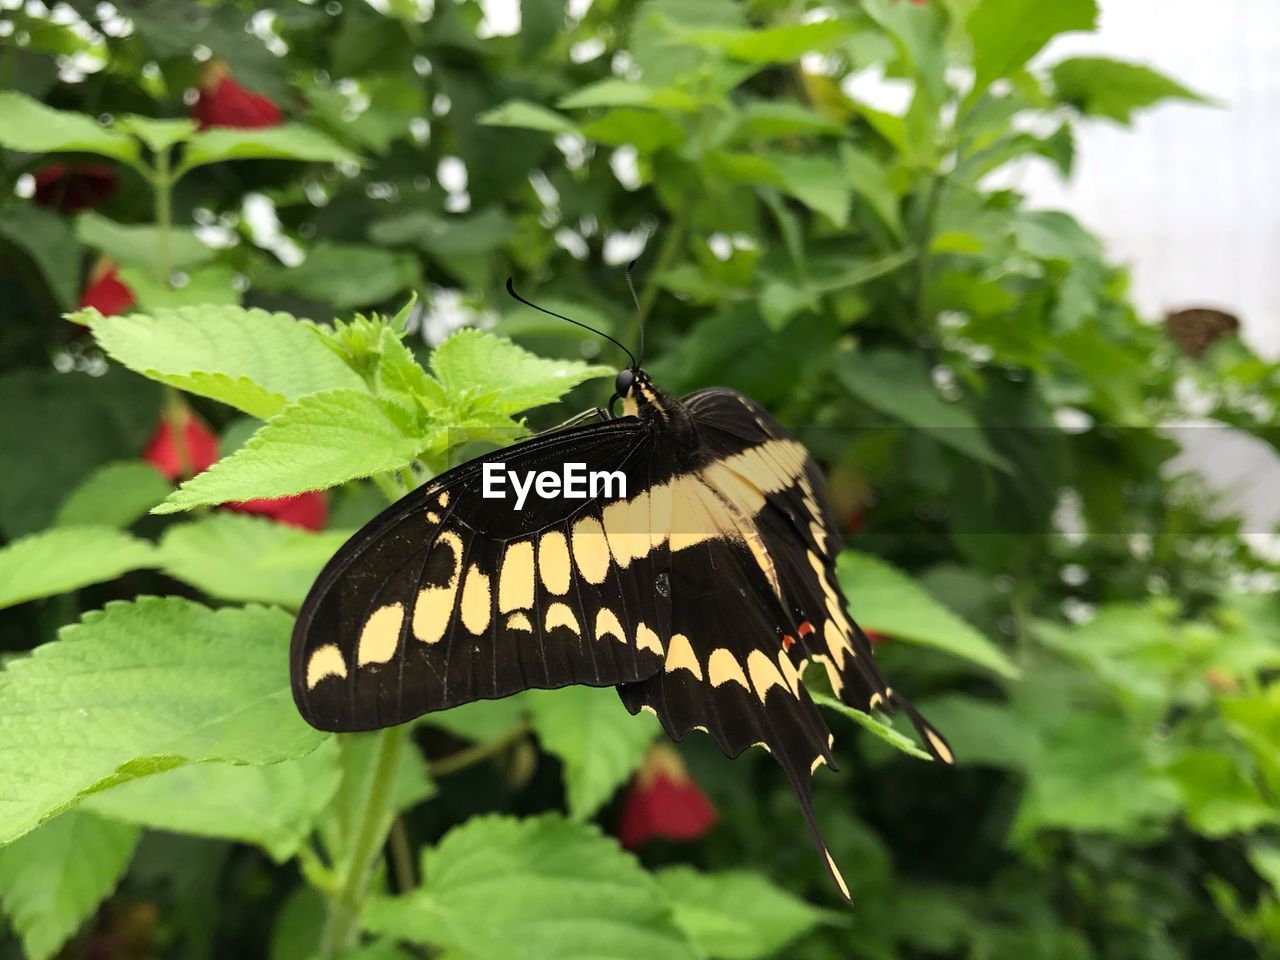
(380, 635)
(559, 615)
(591, 550)
(835, 872)
(434, 606)
(444, 498)
(476, 601)
(326, 661)
(723, 667)
(680, 656)
(553, 562)
(518, 621)
(646, 639)
(763, 673)
(607, 625)
(515, 579)
(944, 754)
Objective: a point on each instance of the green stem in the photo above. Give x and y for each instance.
(388, 486)
(922, 239)
(356, 869)
(162, 184)
(477, 752)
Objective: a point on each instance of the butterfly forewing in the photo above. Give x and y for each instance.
(450, 597)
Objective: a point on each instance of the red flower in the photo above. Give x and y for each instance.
(197, 450)
(876, 638)
(70, 189)
(224, 103)
(310, 511)
(106, 292)
(663, 801)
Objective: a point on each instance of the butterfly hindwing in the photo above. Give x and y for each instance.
(449, 596)
(802, 540)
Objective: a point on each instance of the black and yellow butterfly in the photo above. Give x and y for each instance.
(699, 587)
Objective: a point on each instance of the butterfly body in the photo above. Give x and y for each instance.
(700, 589)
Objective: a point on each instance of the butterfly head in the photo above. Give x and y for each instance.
(636, 391)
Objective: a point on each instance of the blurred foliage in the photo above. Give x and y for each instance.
(818, 199)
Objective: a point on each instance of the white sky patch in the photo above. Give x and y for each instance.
(873, 88)
(458, 202)
(548, 195)
(574, 148)
(25, 187)
(624, 65)
(420, 130)
(586, 50)
(501, 18)
(448, 310)
(441, 104)
(422, 66)
(569, 240)
(626, 167)
(259, 215)
(721, 246)
(575, 10)
(620, 247)
(451, 172)
(263, 26)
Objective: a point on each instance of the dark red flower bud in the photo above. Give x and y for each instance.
(224, 103)
(310, 511)
(106, 292)
(70, 189)
(663, 801)
(182, 445)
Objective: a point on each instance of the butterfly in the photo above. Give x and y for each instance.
(699, 580)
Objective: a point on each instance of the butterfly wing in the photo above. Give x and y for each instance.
(754, 451)
(449, 596)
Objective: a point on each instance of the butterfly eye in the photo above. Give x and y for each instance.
(623, 383)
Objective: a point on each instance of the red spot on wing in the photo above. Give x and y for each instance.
(788, 641)
(806, 628)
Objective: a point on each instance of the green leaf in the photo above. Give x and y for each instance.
(1093, 773)
(773, 44)
(114, 495)
(211, 285)
(495, 375)
(138, 688)
(234, 556)
(776, 119)
(538, 889)
(526, 116)
(1008, 33)
(50, 243)
(885, 600)
(67, 558)
(1101, 87)
(894, 383)
(53, 879)
(31, 127)
(597, 740)
(320, 441)
(139, 244)
(647, 130)
(273, 807)
(87, 420)
(735, 915)
(481, 720)
(345, 275)
(870, 181)
(816, 180)
(877, 726)
(480, 233)
(290, 141)
(1217, 795)
(982, 732)
(158, 135)
(615, 92)
(251, 359)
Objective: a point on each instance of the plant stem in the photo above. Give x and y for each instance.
(477, 752)
(922, 239)
(162, 184)
(356, 869)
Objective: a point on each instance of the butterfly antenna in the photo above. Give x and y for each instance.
(639, 310)
(577, 323)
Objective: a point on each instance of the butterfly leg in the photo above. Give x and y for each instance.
(586, 416)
